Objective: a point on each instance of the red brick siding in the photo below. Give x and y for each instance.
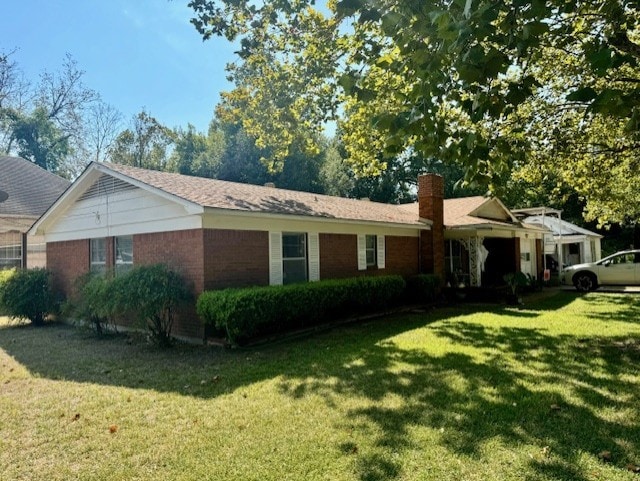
(182, 251)
(234, 258)
(339, 256)
(401, 255)
(431, 206)
(67, 261)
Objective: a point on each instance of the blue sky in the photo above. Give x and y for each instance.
(135, 53)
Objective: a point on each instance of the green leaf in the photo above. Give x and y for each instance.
(347, 82)
(585, 94)
(601, 60)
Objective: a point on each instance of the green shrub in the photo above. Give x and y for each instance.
(27, 294)
(247, 313)
(423, 288)
(152, 294)
(92, 301)
(5, 275)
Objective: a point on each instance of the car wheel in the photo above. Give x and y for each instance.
(585, 282)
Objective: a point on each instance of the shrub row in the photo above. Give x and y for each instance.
(26, 294)
(149, 295)
(243, 314)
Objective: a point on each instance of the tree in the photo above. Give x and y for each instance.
(467, 76)
(197, 154)
(145, 144)
(58, 123)
(38, 139)
(241, 162)
(102, 125)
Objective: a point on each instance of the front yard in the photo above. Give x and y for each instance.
(546, 392)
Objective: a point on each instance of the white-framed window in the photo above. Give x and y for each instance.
(10, 250)
(371, 251)
(123, 253)
(371, 248)
(98, 255)
(294, 257)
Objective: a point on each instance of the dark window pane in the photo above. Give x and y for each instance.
(294, 270)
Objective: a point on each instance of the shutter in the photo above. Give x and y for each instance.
(314, 256)
(381, 252)
(275, 258)
(362, 252)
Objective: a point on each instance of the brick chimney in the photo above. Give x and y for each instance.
(431, 206)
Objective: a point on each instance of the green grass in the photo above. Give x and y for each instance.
(469, 393)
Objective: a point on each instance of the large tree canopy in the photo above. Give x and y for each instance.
(547, 88)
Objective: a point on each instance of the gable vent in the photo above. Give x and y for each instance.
(106, 185)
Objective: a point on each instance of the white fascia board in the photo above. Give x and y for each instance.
(506, 209)
(495, 231)
(86, 180)
(216, 211)
(68, 197)
(569, 238)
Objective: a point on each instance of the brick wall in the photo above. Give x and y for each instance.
(339, 256)
(67, 261)
(431, 206)
(402, 255)
(182, 251)
(234, 258)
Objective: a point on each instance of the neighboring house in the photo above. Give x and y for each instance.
(567, 244)
(26, 192)
(221, 234)
(484, 241)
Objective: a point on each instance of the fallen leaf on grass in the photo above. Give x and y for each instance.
(634, 468)
(113, 429)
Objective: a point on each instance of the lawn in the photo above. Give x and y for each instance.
(465, 393)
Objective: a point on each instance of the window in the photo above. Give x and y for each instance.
(123, 250)
(10, 250)
(98, 255)
(294, 257)
(371, 250)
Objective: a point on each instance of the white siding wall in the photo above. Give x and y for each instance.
(122, 213)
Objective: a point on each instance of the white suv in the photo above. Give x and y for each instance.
(621, 268)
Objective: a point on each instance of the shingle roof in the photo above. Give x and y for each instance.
(221, 194)
(31, 189)
(457, 213)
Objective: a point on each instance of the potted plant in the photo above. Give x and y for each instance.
(514, 281)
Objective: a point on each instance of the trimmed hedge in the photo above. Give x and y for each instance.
(423, 288)
(247, 313)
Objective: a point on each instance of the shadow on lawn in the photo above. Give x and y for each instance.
(500, 394)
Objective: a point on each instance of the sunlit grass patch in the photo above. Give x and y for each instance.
(472, 392)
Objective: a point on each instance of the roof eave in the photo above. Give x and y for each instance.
(424, 224)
